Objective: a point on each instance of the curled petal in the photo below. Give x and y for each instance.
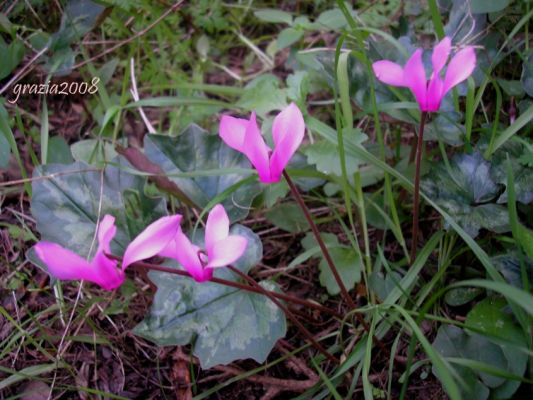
(152, 240)
(414, 77)
(256, 149)
(187, 255)
(232, 131)
(105, 273)
(388, 72)
(62, 263)
(435, 94)
(216, 227)
(460, 68)
(170, 250)
(106, 233)
(440, 55)
(288, 132)
(67, 265)
(226, 251)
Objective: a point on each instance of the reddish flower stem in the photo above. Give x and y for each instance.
(416, 200)
(236, 285)
(287, 312)
(316, 233)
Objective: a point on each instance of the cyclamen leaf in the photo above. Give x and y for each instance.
(194, 150)
(490, 317)
(224, 324)
(452, 341)
(263, 95)
(523, 173)
(66, 204)
(288, 217)
(347, 261)
(469, 193)
(325, 155)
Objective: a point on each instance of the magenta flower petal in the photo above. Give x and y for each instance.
(288, 132)
(226, 251)
(188, 255)
(170, 250)
(429, 95)
(414, 76)
(152, 240)
(440, 55)
(435, 95)
(105, 273)
(460, 68)
(389, 72)
(232, 131)
(106, 233)
(62, 263)
(66, 265)
(216, 227)
(256, 149)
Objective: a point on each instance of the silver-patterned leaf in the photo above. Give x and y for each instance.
(223, 324)
(68, 200)
(195, 150)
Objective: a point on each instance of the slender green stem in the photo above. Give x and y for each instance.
(237, 285)
(287, 312)
(362, 214)
(389, 198)
(416, 201)
(314, 229)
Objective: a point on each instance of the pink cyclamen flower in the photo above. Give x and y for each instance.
(244, 136)
(67, 265)
(164, 237)
(429, 94)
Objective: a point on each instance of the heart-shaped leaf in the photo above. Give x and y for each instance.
(224, 324)
(446, 126)
(452, 341)
(263, 95)
(490, 317)
(68, 200)
(289, 217)
(466, 193)
(522, 172)
(93, 151)
(347, 261)
(325, 155)
(196, 151)
(509, 266)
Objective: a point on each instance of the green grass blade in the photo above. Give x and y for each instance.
(27, 373)
(45, 134)
(435, 16)
(508, 133)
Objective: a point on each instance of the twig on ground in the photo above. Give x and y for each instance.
(132, 38)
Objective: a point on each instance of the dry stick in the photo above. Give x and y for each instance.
(327, 256)
(24, 70)
(237, 285)
(323, 247)
(416, 200)
(287, 312)
(132, 38)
